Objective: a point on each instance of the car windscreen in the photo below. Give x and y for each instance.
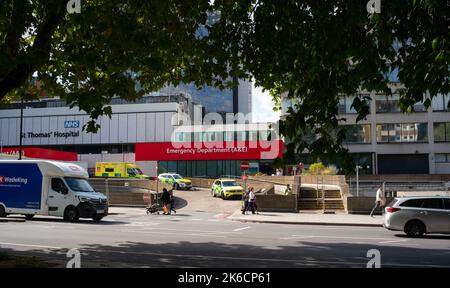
(176, 176)
(138, 171)
(78, 184)
(229, 183)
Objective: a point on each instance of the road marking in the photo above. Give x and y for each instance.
(341, 237)
(187, 230)
(213, 220)
(393, 241)
(174, 233)
(30, 245)
(196, 219)
(240, 229)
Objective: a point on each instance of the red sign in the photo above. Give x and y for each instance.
(41, 153)
(237, 150)
(245, 165)
(146, 197)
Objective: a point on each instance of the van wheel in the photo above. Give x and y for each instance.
(415, 228)
(96, 219)
(2, 211)
(29, 216)
(71, 214)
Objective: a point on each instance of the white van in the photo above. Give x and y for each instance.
(41, 187)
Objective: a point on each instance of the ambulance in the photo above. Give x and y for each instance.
(118, 170)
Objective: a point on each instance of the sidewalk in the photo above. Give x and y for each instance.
(309, 218)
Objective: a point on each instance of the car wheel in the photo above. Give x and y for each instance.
(96, 219)
(415, 228)
(29, 216)
(176, 186)
(2, 211)
(71, 214)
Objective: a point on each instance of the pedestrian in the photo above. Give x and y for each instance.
(278, 173)
(172, 202)
(245, 199)
(165, 199)
(251, 201)
(380, 200)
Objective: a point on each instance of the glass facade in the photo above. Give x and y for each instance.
(345, 104)
(440, 102)
(357, 134)
(441, 132)
(224, 136)
(442, 157)
(213, 99)
(389, 104)
(212, 168)
(402, 133)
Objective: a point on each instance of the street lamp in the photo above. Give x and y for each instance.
(21, 128)
(357, 180)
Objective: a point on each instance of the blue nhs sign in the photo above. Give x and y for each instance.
(72, 124)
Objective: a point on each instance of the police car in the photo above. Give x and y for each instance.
(226, 188)
(176, 180)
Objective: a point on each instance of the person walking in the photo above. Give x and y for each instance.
(172, 202)
(251, 200)
(165, 199)
(380, 200)
(245, 199)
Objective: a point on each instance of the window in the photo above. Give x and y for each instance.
(109, 169)
(440, 102)
(447, 203)
(357, 133)
(402, 133)
(58, 185)
(387, 104)
(441, 132)
(434, 203)
(415, 203)
(442, 157)
(346, 102)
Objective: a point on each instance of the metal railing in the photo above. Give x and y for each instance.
(368, 188)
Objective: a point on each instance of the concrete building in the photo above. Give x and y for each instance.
(391, 142)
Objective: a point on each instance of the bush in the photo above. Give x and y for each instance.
(320, 169)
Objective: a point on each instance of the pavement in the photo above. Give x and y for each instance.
(309, 218)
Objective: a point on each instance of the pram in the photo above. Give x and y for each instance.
(156, 207)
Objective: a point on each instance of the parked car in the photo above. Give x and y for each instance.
(418, 215)
(226, 188)
(176, 180)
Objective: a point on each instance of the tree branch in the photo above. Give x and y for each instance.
(39, 53)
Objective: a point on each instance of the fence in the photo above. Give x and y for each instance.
(368, 188)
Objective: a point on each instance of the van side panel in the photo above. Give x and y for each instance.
(21, 186)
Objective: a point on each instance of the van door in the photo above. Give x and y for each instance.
(57, 197)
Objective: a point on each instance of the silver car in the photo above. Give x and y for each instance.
(418, 215)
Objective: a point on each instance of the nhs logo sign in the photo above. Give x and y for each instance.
(72, 124)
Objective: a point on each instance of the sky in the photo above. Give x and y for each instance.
(262, 106)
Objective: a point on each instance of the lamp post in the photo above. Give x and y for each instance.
(21, 128)
(357, 180)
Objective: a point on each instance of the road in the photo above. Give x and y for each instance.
(195, 238)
